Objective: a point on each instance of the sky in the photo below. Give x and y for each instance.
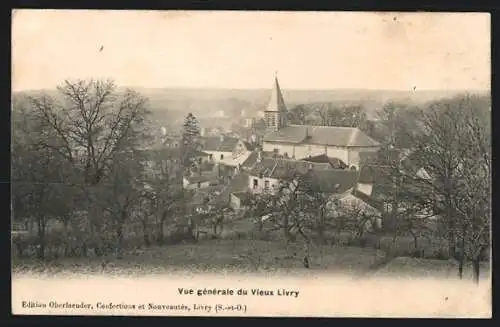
(308, 50)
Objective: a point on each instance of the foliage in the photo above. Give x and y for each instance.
(190, 135)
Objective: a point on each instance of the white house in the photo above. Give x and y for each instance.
(302, 141)
(267, 173)
(219, 147)
(227, 150)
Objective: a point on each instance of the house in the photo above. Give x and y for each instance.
(199, 156)
(268, 173)
(303, 141)
(240, 200)
(201, 180)
(238, 184)
(357, 205)
(218, 147)
(376, 183)
(323, 160)
(226, 150)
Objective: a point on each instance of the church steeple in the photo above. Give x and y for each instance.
(275, 113)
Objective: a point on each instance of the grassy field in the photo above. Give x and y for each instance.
(213, 256)
(410, 268)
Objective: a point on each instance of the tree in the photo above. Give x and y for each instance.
(398, 124)
(91, 123)
(298, 115)
(190, 135)
(456, 143)
(73, 139)
(473, 195)
(40, 193)
(120, 193)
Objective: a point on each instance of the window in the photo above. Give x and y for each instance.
(210, 156)
(266, 185)
(221, 157)
(255, 183)
(199, 184)
(285, 154)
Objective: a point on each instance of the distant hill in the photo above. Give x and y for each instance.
(209, 102)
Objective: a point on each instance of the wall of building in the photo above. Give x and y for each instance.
(282, 148)
(192, 186)
(216, 155)
(261, 183)
(308, 150)
(300, 151)
(365, 188)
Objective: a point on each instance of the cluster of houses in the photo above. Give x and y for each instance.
(228, 171)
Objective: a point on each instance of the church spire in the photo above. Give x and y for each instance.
(276, 103)
(275, 112)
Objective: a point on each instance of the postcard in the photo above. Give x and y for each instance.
(251, 163)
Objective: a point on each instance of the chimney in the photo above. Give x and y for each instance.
(222, 138)
(259, 156)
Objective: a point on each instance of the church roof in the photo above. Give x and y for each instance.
(276, 103)
(215, 143)
(321, 135)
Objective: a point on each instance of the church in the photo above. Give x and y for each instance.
(304, 141)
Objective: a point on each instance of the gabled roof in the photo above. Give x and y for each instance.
(381, 179)
(250, 161)
(335, 180)
(248, 145)
(198, 153)
(322, 135)
(279, 168)
(335, 163)
(215, 143)
(324, 180)
(368, 199)
(276, 103)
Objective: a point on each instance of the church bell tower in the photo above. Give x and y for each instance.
(275, 113)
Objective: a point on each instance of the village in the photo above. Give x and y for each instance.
(227, 176)
(301, 196)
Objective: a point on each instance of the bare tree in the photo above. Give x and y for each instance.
(87, 125)
(91, 123)
(456, 146)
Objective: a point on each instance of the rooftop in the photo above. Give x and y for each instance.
(323, 158)
(322, 135)
(216, 143)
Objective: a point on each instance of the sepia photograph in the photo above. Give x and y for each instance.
(251, 163)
